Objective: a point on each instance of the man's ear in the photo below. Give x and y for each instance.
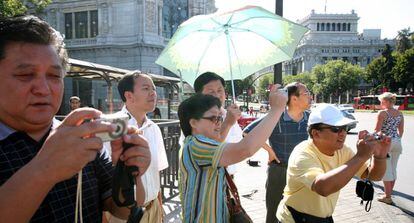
(128, 95)
(315, 133)
(193, 123)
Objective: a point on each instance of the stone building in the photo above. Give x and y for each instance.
(335, 37)
(127, 34)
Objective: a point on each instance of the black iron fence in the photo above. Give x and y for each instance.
(169, 177)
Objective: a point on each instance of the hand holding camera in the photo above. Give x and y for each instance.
(277, 97)
(72, 144)
(375, 144)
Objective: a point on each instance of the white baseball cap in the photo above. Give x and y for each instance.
(330, 115)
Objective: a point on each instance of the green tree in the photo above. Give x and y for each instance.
(18, 7)
(264, 82)
(403, 70)
(239, 86)
(374, 74)
(379, 71)
(403, 40)
(304, 78)
(335, 78)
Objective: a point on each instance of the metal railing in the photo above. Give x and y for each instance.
(170, 131)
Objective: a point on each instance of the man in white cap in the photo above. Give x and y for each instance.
(320, 166)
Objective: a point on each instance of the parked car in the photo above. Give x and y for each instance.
(350, 116)
(245, 120)
(346, 107)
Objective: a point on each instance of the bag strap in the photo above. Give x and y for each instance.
(232, 188)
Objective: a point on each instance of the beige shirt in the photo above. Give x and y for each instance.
(305, 163)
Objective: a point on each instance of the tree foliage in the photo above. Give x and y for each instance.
(264, 82)
(403, 40)
(336, 77)
(379, 71)
(18, 7)
(403, 71)
(304, 78)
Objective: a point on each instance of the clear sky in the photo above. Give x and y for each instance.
(388, 15)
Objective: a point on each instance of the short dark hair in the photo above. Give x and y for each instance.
(30, 29)
(316, 126)
(194, 108)
(127, 82)
(292, 90)
(206, 78)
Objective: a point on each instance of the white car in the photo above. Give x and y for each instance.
(346, 107)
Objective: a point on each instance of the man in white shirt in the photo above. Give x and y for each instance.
(212, 84)
(138, 92)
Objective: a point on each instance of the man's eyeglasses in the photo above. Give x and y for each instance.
(335, 129)
(215, 119)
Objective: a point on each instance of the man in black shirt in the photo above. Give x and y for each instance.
(40, 157)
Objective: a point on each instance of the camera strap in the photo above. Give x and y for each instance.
(78, 207)
(123, 188)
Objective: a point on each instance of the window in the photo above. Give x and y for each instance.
(317, 26)
(349, 26)
(333, 26)
(81, 24)
(68, 25)
(338, 26)
(323, 27)
(328, 27)
(93, 23)
(343, 26)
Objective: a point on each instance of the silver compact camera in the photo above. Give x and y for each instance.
(376, 136)
(121, 122)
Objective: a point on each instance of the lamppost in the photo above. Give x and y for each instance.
(278, 67)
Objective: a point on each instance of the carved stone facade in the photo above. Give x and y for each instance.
(120, 33)
(332, 37)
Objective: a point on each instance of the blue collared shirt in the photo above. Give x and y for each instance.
(286, 134)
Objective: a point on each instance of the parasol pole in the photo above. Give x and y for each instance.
(181, 89)
(231, 71)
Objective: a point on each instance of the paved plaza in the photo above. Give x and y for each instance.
(251, 184)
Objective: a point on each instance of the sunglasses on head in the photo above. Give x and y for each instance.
(215, 119)
(335, 129)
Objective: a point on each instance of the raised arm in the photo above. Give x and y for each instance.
(236, 152)
(332, 181)
(233, 114)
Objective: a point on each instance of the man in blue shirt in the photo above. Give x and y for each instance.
(288, 132)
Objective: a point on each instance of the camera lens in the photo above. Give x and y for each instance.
(120, 126)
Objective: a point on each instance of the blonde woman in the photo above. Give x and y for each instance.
(390, 121)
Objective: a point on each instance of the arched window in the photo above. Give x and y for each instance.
(343, 26)
(333, 26)
(328, 26)
(338, 26)
(317, 26)
(323, 27)
(349, 26)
